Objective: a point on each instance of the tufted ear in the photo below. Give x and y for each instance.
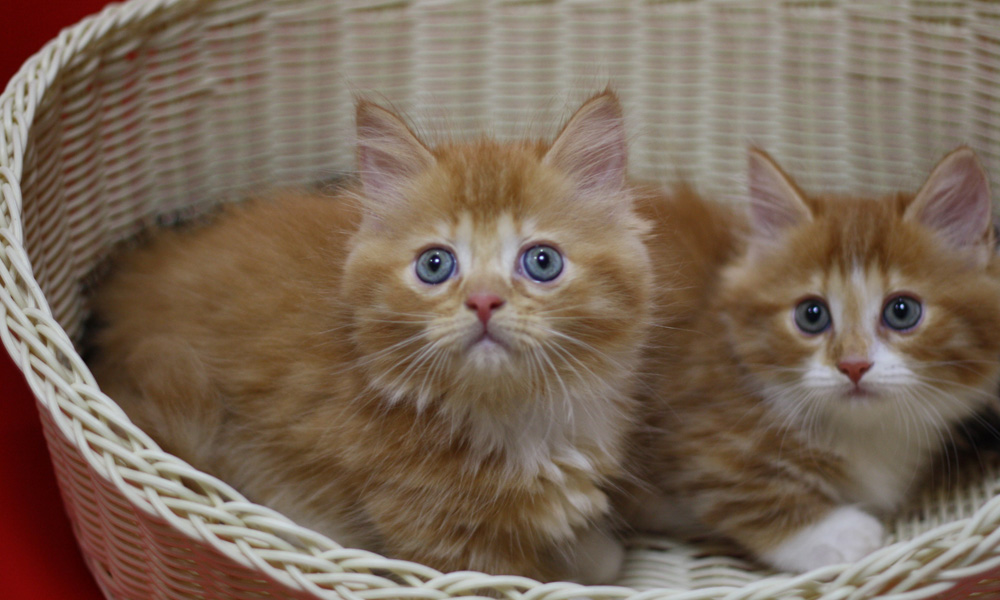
(955, 201)
(592, 147)
(775, 201)
(389, 155)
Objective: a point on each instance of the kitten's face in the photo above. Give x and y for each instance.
(863, 312)
(492, 276)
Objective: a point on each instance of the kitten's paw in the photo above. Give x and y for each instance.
(846, 534)
(597, 558)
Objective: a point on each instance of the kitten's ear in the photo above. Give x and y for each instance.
(775, 201)
(955, 200)
(592, 147)
(389, 155)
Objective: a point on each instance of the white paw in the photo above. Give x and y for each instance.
(846, 534)
(597, 558)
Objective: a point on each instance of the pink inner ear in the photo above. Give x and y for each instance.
(775, 203)
(955, 200)
(592, 147)
(389, 155)
(381, 172)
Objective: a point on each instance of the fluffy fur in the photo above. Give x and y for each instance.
(290, 348)
(792, 443)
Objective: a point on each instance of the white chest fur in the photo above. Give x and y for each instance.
(575, 429)
(884, 460)
(565, 445)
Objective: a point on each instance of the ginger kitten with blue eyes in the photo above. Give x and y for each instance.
(436, 364)
(815, 358)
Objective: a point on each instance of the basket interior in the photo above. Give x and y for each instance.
(168, 109)
(222, 98)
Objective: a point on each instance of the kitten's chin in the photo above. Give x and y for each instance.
(865, 398)
(861, 393)
(487, 355)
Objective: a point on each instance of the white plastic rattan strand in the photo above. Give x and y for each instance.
(155, 110)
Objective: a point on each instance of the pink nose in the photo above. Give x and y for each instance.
(484, 305)
(854, 369)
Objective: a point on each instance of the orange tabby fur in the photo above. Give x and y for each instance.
(289, 348)
(758, 436)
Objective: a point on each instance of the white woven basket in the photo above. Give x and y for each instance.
(164, 106)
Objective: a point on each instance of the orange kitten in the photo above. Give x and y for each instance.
(437, 364)
(815, 357)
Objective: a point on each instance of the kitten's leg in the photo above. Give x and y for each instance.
(793, 532)
(770, 492)
(845, 534)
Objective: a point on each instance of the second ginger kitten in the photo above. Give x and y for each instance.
(812, 360)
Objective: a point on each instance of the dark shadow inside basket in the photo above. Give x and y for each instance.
(134, 135)
(152, 124)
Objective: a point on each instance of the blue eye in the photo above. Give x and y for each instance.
(542, 263)
(435, 265)
(812, 316)
(902, 313)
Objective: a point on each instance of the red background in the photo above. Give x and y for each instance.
(39, 558)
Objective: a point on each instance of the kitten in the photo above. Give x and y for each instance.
(814, 357)
(437, 365)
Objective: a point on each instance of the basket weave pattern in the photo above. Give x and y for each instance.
(158, 109)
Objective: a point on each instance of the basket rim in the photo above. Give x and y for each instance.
(150, 478)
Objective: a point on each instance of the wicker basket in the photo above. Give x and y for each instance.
(161, 107)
